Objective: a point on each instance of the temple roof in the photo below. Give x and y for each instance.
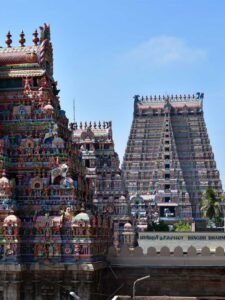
(12, 219)
(82, 216)
(85, 132)
(173, 101)
(96, 132)
(27, 61)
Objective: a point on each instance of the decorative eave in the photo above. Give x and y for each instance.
(22, 73)
(11, 56)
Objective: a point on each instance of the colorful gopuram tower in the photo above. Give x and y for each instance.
(106, 187)
(169, 161)
(43, 189)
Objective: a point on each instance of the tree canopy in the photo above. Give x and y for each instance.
(210, 205)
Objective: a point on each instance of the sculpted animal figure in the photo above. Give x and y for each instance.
(52, 131)
(60, 171)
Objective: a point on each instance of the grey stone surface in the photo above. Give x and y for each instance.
(151, 251)
(178, 251)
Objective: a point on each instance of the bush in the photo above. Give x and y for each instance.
(182, 226)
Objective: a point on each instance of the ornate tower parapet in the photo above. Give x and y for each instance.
(178, 103)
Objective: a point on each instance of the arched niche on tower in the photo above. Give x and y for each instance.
(185, 109)
(21, 111)
(36, 183)
(87, 135)
(167, 107)
(28, 143)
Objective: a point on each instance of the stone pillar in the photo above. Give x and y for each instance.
(57, 293)
(193, 226)
(28, 293)
(12, 291)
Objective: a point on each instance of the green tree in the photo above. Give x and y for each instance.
(210, 205)
(182, 226)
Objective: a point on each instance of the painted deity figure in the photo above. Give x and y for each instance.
(47, 232)
(39, 250)
(57, 250)
(77, 252)
(68, 215)
(11, 226)
(10, 230)
(50, 250)
(8, 250)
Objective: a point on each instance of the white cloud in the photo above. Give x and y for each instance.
(166, 50)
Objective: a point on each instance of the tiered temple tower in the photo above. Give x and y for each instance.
(169, 161)
(106, 186)
(43, 189)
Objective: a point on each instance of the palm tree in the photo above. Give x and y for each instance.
(211, 205)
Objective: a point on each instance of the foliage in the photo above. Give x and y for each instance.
(182, 226)
(161, 226)
(210, 205)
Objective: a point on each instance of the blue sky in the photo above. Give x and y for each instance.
(105, 51)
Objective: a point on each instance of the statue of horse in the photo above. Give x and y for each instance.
(60, 171)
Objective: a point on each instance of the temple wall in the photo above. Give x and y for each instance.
(184, 240)
(45, 282)
(172, 249)
(167, 281)
(176, 273)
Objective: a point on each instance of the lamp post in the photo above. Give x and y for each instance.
(74, 295)
(136, 281)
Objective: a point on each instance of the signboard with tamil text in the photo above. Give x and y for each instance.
(184, 240)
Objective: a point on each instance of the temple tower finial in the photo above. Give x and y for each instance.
(35, 38)
(8, 40)
(136, 98)
(22, 39)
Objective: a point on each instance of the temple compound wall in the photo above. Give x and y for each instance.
(204, 284)
(184, 264)
(172, 249)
